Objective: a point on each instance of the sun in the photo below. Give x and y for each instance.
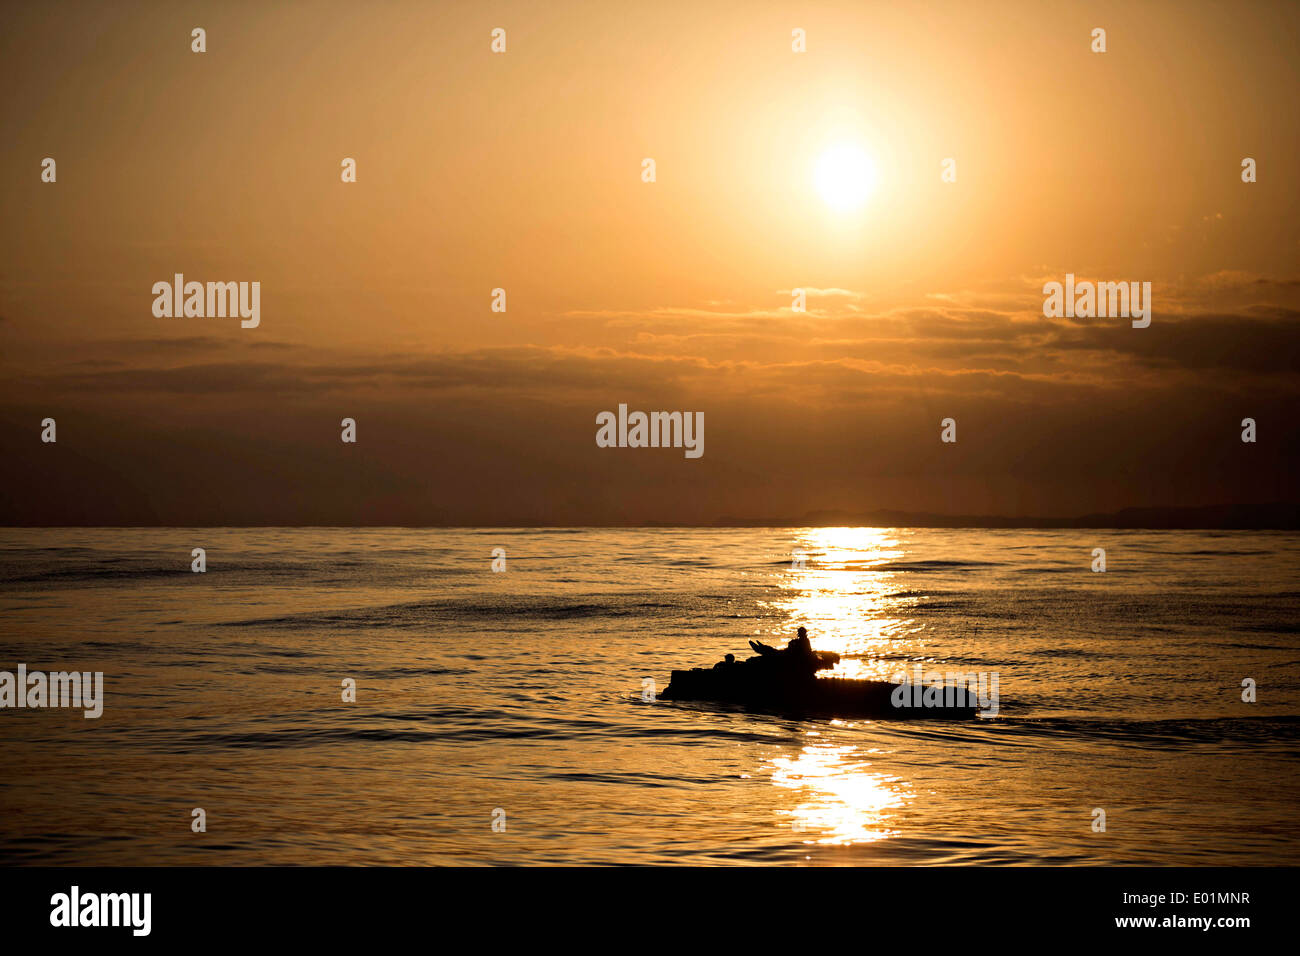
(845, 176)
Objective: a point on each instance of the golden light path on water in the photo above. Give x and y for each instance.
(846, 595)
(843, 802)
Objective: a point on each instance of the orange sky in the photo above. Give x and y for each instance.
(522, 170)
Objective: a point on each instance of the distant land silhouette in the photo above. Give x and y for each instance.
(1280, 516)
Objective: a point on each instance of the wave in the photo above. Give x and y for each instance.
(452, 725)
(1259, 732)
(935, 565)
(417, 614)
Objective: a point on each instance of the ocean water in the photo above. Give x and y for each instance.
(517, 697)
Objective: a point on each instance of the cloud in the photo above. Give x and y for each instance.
(955, 341)
(823, 293)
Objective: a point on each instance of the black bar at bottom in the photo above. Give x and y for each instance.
(651, 907)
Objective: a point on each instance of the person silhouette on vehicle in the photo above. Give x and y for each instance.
(800, 646)
(795, 654)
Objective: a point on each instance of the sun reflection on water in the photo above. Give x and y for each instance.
(849, 598)
(852, 601)
(843, 802)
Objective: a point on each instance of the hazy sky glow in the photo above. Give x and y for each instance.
(522, 171)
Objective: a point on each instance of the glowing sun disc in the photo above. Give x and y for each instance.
(844, 176)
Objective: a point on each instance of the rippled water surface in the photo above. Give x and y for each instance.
(522, 692)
